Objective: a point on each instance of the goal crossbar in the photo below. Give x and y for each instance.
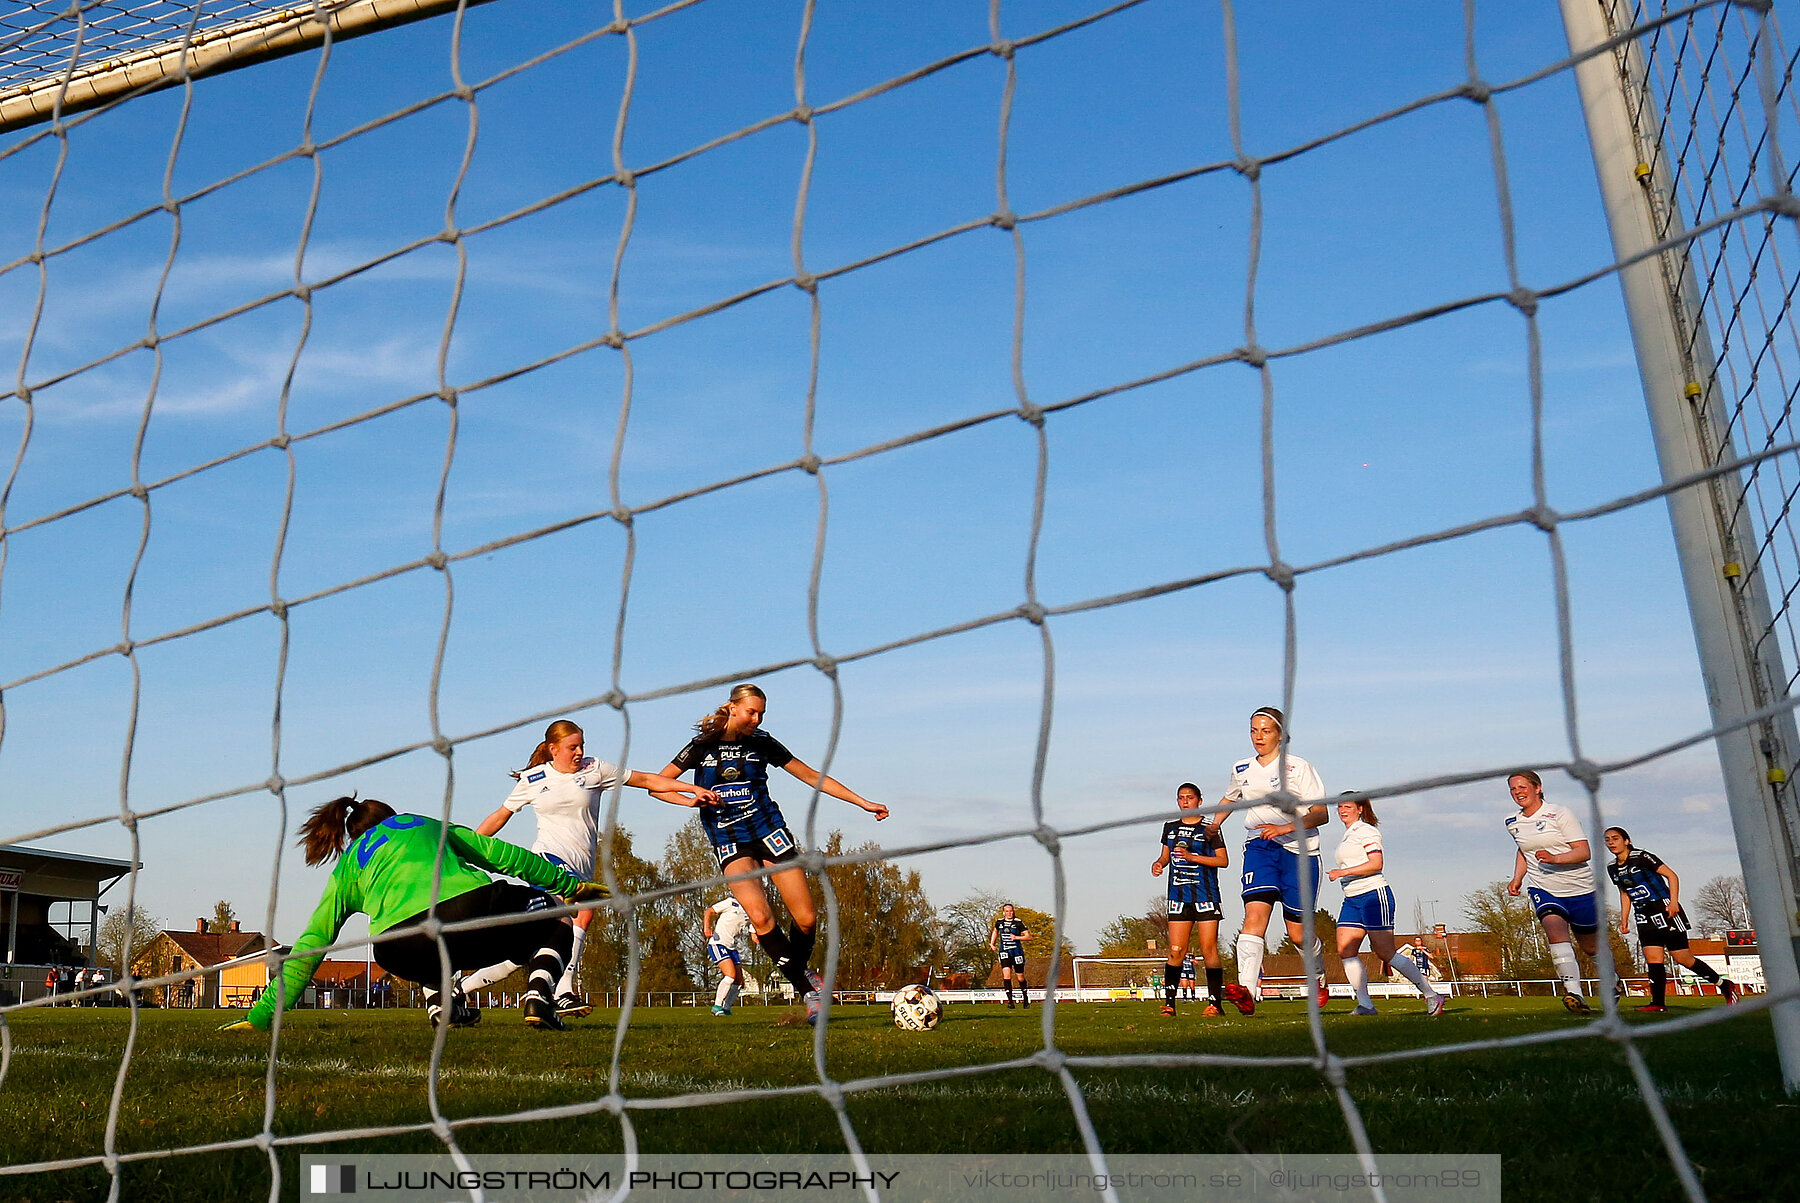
(169, 60)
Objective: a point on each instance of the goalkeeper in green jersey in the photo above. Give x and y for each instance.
(385, 866)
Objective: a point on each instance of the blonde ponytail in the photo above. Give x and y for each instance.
(712, 727)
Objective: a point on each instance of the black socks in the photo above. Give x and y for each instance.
(784, 953)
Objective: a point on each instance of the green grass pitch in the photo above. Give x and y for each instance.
(1567, 1117)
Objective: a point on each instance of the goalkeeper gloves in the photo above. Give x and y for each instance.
(590, 891)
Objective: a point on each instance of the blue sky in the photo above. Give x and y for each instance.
(1433, 661)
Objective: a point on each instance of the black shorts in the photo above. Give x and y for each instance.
(772, 849)
(1663, 929)
(1013, 960)
(415, 957)
(1195, 912)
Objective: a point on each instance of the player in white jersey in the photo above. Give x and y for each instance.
(1277, 850)
(721, 924)
(564, 788)
(1555, 866)
(1369, 907)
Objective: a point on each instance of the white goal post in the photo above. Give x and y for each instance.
(1151, 968)
(1647, 126)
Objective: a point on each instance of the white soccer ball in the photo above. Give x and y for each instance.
(917, 1008)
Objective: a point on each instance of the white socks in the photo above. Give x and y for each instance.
(1249, 963)
(1566, 967)
(1408, 968)
(481, 979)
(567, 984)
(726, 994)
(1359, 980)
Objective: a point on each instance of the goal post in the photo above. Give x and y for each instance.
(1120, 972)
(1726, 565)
(75, 61)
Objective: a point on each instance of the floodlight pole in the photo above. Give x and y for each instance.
(1724, 602)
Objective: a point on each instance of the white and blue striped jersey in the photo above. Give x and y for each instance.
(1189, 882)
(738, 771)
(1638, 877)
(1011, 932)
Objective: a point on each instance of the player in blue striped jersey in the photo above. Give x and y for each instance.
(1193, 853)
(1008, 940)
(1650, 890)
(731, 755)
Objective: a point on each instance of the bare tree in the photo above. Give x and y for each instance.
(966, 926)
(133, 926)
(1722, 905)
(1131, 936)
(1524, 954)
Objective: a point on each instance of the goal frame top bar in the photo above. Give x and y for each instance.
(209, 51)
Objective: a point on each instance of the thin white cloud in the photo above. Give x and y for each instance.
(247, 376)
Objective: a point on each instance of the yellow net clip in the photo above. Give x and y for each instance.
(1777, 776)
(1734, 569)
(1692, 390)
(1643, 173)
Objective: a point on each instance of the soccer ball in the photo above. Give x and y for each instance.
(917, 1008)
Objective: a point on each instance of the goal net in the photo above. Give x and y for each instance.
(1014, 390)
(1118, 973)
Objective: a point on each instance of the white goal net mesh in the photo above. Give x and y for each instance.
(107, 323)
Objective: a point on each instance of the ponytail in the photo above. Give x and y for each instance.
(556, 732)
(331, 827)
(712, 727)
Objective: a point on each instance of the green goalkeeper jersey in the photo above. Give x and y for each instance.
(386, 873)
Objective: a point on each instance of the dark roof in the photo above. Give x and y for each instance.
(208, 948)
(100, 868)
(344, 973)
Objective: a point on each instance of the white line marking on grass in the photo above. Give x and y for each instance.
(339, 1067)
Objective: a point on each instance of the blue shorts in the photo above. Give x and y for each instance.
(1272, 872)
(1371, 910)
(721, 952)
(1579, 910)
